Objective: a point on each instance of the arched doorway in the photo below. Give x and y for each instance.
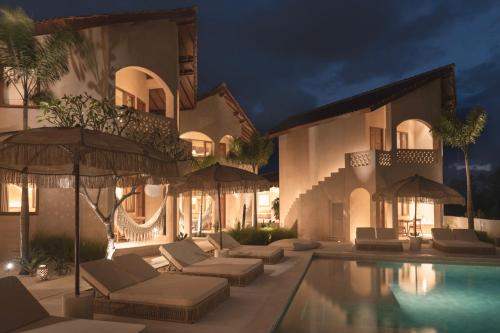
(414, 134)
(202, 144)
(224, 145)
(143, 90)
(359, 211)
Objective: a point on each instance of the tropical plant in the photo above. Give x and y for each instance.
(276, 208)
(201, 163)
(461, 133)
(261, 236)
(102, 115)
(30, 63)
(254, 152)
(30, 265)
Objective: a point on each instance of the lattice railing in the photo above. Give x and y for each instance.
(384, 158)
(359, 159)
(416, 156)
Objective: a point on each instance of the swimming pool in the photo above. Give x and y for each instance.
(373, 296)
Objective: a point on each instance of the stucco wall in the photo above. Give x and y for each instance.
(314, 179)
(491, 227)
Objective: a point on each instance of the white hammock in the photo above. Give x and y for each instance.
(140, 232)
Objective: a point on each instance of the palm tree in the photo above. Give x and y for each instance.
(461, 133)
(30, 64)
(254, 152)
(201, 163)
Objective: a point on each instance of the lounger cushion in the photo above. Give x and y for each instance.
(228, 242)
(17, 306)
(463, 244)
(442, 234)
(171, 290)
(224, 266)
(183, 253)
(106, 276)
(254, 251)
(375, 242)
(295, 244)
(136, 266)
(365, 233)
(65, 325)
(386, 233)
(466, 235)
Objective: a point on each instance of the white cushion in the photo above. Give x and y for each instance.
(228, 242)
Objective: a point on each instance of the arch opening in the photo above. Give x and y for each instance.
(359, 211)
(414, 134)
(202, 144)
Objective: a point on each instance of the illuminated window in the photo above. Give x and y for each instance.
(10, 199)
(201, 148)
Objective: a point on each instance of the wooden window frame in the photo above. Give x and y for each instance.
(37, 207)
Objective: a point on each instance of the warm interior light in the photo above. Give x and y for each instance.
(119, 192)
(9, 266)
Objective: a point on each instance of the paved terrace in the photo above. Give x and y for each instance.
(254, 308)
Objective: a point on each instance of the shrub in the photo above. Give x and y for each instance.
(61, 248)
(261, 236)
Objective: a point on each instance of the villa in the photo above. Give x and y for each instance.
(334, 158)
(162, 86)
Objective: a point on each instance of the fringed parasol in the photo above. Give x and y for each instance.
(66, 157)
(222, 179)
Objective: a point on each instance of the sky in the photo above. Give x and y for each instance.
(282, 57)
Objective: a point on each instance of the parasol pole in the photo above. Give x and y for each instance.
(220, 217)
(76, 173)
(415, 219)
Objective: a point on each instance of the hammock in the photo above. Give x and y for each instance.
(140, 232)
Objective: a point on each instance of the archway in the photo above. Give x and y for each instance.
(143, 90)
(414, 134)
(224, 145)
(359, 211)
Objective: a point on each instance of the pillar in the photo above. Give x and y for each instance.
(171, 217)
(187, 211)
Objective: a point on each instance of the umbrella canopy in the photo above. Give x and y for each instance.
(46, 157)
(421, 188)
(62, 157)
(222, 179)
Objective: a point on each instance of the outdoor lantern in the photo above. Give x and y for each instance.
(9, 266)
(42, 272)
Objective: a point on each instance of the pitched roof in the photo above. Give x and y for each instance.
(376, 98)
(185, 18)
(247, 127)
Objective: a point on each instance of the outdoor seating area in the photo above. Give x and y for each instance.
(186, 257)
(460, 241)
(269, 254)
(131, 287)
(377, 239)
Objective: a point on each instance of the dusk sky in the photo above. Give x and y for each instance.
(281, 57)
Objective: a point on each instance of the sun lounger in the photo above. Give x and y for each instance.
(269, 254)
(188, 258)
(21, 312)
(144, 293)
(383, 239)
(459, 241)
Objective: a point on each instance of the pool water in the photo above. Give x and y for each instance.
(368, 296)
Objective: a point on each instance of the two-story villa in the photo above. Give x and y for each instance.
(334, 158)
(148, 61)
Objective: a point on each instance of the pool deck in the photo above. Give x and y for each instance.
(257, 307)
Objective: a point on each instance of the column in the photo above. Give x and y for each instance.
(171, 217)
(186, 210)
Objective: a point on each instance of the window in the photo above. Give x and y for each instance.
(141, 106)
(376, 138)
(201, 148)
(157, 101)
(263, 199)
(404, 207)
(10, 199)
(402, 140)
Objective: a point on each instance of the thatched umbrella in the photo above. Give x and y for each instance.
(420, 189)
(222, 179)
(65, 157)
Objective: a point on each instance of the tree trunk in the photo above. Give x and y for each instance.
(24, 216)
(254, 220)
(470, 208)
(110, 234)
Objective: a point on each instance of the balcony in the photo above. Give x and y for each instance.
(380, 158)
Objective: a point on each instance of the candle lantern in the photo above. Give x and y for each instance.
(42, 272)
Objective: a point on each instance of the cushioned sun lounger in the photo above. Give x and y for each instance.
(128, 287)
(384, 239)
(21, 312)
(460, 241)
(269, 254)
(187, 257)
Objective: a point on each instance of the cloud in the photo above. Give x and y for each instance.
(487, 167)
